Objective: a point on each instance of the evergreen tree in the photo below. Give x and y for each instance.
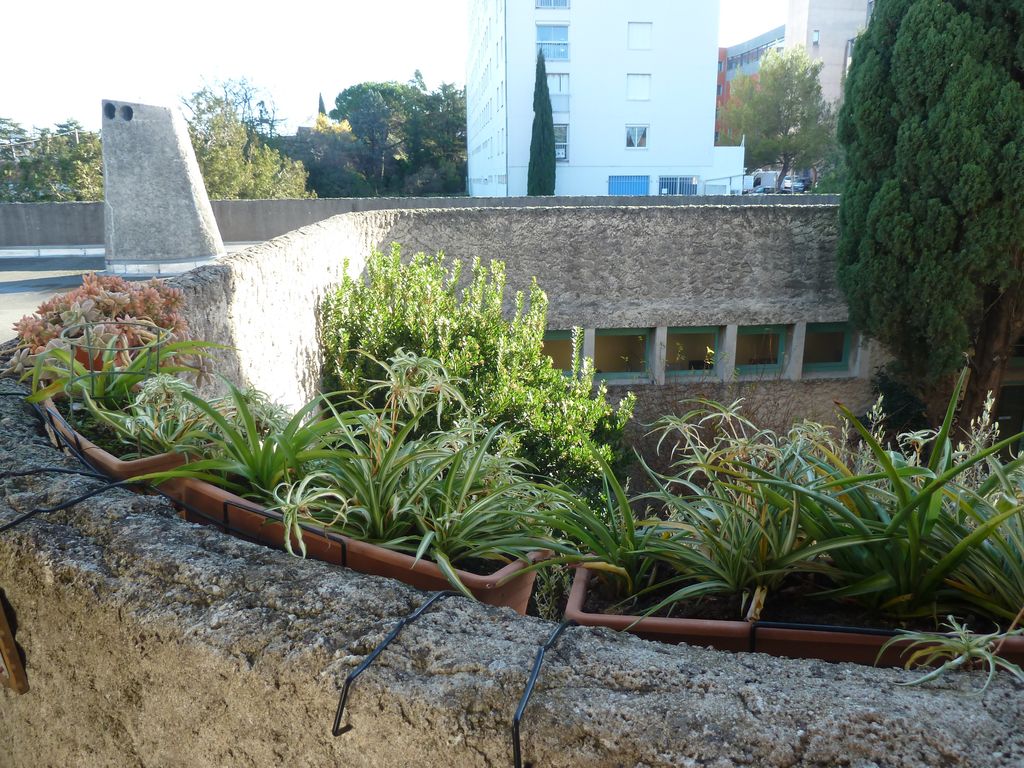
(540, 179)
(931, 256)
(321, 110)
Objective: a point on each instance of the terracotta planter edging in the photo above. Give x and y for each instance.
(207, 504)
(101, 460)
(797, 641)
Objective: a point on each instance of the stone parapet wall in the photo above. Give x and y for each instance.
(602, 267)
(240, 221)
(150, 641)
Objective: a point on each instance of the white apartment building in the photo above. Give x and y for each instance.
(633, 86)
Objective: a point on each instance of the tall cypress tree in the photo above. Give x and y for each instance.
(540, 179)
(322, 109)
(931, 255)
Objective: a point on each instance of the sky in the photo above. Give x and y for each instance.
(63, 57)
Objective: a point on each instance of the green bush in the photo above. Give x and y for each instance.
(549, 417)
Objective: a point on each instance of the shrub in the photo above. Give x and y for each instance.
(550, 417)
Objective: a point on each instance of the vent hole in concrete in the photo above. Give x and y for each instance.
(109, 110)
(127, 113)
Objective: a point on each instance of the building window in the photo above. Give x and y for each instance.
(621, 352)
(815, 36)
(558, 89)
(719, 65)
(552, 3)
(638, 87)
(690, 350)
(720, 89)
(553, 41)
(1017, 354)
(638, 35)
(636, 137)
(558, 346)
(677, 185)
(827, 347)
(561, 141)
(627, 186)
(759, 348)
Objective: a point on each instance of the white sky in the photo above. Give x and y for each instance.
(62, 57)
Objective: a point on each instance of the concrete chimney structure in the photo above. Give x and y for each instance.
(157, 215)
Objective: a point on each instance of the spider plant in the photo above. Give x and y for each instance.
(735, 538)
(157, 420)
(608, 540)
(243, 459)
(445, 496)
(481, 509)
(309, 500)
(990, 576)
(910, 508)
(958, 649)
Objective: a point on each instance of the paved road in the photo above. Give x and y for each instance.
(22, 291)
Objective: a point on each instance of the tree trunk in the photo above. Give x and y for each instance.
(1001, 325)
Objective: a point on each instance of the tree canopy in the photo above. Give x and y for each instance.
(229, 134)
(540, 178)
(781, 113)
(52, 165)
(406, 139)
(930, 256)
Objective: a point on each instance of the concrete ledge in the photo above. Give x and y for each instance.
(154, 642)
(30, 224)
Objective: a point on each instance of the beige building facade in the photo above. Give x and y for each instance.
(826, 29)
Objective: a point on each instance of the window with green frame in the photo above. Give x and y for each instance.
(622, 351)
(760, 348)
(558, 346)
(827, 347)
(690, 350)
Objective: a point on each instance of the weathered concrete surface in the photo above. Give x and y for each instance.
(157, 216)
(154, 642)
(602, 267)
(255, 220)
(774, 404)
(263, 303)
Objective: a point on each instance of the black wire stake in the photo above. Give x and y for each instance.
(517, 752)
(64, 505)
(337, 730)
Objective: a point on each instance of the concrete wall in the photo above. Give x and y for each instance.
(42, 224)
(602, 267)
(50, 224)
(153, 642)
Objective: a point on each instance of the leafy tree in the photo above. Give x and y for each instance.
(781, 113)
(226, 132)
(328, 151)
(377, 114)
(64, 163)
(931, 256)
(550, 417)
(540, 179)
(407, 139)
